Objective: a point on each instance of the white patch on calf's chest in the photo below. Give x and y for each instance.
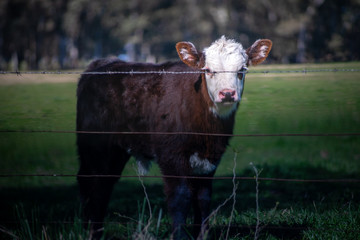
(201, 166)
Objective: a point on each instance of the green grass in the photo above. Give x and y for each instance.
(326, 102)
(37, 107)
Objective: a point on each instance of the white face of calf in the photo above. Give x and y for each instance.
(224, 64)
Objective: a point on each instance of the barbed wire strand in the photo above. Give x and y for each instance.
(167, 224)
(347, 180)
(187, 133)
(232, 226)
(133, 72)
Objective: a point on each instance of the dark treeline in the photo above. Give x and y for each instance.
(54, 34)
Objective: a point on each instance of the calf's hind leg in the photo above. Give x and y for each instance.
(95, 192)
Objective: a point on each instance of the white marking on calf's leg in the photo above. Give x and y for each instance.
(143, 166)
(201, 166)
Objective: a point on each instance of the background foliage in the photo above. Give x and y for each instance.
(49, 34)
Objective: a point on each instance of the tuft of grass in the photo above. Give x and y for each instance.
(34, 227)
(146, 226)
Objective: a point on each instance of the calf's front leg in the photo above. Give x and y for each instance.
(179, 199)
(201, 203)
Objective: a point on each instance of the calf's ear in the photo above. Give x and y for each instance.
(189, 55)
(259, 51)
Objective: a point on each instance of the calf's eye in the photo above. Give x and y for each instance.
(242, 72)
(209, 72)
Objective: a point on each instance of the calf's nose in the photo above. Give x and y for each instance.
(227, 95)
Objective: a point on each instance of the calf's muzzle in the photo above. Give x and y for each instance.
(228, 95)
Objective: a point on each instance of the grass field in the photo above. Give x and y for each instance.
(324, 102)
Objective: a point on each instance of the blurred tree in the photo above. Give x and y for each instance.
(30, 30)
(334, 30)
(64, 33)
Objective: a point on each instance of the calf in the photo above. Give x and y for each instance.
(204, 101)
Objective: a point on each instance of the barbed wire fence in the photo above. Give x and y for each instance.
(161, 72)
(233, 178)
